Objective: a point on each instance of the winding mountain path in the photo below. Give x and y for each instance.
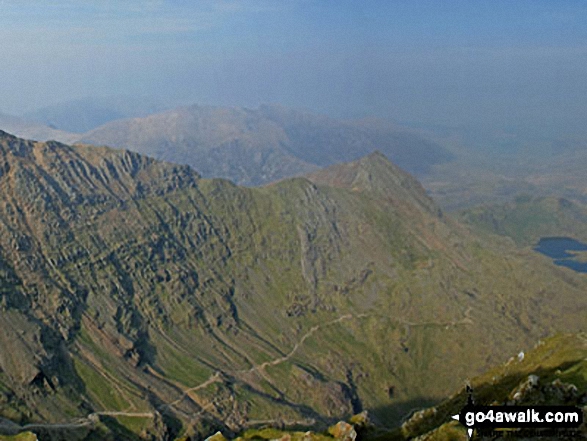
(307, 335)
(216, 377)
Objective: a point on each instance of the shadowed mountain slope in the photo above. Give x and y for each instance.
(137, 295)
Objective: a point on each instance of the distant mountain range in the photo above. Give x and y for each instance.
(32, 130)
(459, 167)
(249, 147)
(82, 115)
(253, 147)
(139, 299)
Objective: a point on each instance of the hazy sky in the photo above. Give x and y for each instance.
(500, 63)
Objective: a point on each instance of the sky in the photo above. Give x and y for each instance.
(506, 65)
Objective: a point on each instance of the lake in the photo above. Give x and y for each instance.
(558, 249)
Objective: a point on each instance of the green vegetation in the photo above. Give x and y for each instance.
(559, 364)
(528, 219)
(269, 434)
(100, 388)
(137, 293)
(25, 436)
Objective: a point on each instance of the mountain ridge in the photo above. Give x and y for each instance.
(248, 146)
(137, 286)
(367, 174)
(256, 146)
(84, 114)
(31, 130)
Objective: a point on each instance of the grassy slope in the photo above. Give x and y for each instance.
(561, 358)
(560, 361)
(157, 291)
(528, 219)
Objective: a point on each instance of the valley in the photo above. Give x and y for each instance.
(303, 220)
(146, 298)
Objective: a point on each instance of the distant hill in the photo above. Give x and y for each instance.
(527, 219)
(138, 299)
(253, 147)
(32, 130)
(490, 172)
(324, 141)
(82, 115)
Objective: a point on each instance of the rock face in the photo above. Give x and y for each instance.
(137, 293)
(531, 391)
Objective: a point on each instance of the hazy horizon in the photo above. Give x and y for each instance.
(496, 65)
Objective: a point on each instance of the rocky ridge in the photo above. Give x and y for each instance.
(141, 298)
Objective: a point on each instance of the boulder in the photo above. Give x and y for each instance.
(343, 431)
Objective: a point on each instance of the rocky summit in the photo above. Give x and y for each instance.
(142, 301)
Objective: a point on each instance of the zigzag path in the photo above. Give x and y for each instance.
(217, 377)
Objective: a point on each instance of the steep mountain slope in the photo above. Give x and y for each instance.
(32, 130)
(253, 147)
(554, 372)
(137, 297)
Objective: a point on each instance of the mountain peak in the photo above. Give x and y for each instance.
(85, 172)
(126, 285)
(376, 155)
(377, 175)
(258, 146)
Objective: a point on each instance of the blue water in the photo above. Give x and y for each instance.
(557, 248)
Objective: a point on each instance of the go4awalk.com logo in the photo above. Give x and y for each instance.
(554, 418)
